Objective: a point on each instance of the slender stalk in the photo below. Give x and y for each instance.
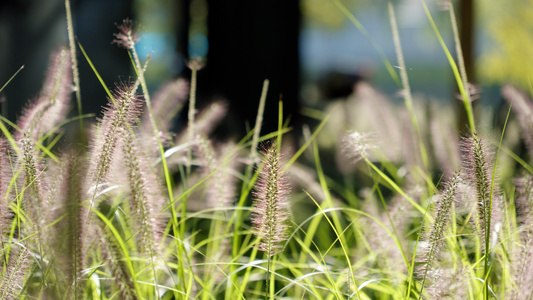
(142, 80)
(462, 69)
(169, 184)
(74, 60)
(486, 266)
(408, 98)
(191, 113)
(11, 78)
(365, 32)
(257, 129)
(267, 286)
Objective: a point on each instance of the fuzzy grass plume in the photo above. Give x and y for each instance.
(479, 167)
(523, 256)
(118, 268)
(49, 108)
(73, 227)
(34, 202)
(127, 36)
(436, 235)
(270, 214)
(13, 277)
(145, 197)
(123, 110)
(524, 111)
(5, 178)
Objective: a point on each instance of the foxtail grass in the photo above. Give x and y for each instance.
(49, 108)
(436, 235)
(118, 116)
(369, 225)
(13, 277)
(74, 60)
(270, 214)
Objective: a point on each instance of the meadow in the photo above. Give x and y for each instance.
(371, 200)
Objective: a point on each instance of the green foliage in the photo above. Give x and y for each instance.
(510, 25)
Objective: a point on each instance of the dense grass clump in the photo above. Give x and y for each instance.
(377, 201)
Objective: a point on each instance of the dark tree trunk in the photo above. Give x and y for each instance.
(466, 34)
(250, 41)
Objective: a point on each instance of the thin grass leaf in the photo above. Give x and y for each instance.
(363, 30)
(129, 279)
(11, 78)
(453, 65)
(109, 94)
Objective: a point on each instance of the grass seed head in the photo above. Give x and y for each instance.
(271, 214)
(126, 37)
(355, 145)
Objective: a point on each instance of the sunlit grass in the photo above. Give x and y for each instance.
(382, 212)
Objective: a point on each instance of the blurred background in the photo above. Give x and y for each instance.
(308, 49)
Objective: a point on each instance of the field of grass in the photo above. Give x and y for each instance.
(375, 201)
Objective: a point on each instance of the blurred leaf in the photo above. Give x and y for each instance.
(325, 13)
(511, 27)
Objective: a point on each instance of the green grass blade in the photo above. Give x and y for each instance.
(456, 74)
(109, 94)
(121, 244)
(8, 134)
(362, 29)
(394, 186)
(11, 78)
(307, 143)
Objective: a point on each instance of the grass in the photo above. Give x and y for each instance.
(397, 206)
